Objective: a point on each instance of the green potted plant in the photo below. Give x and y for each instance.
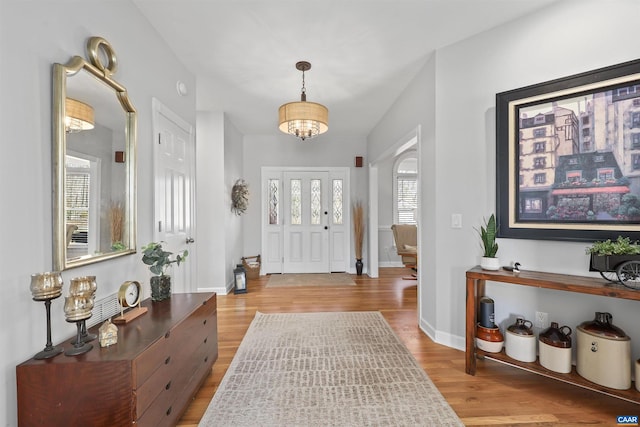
(487, 232)
(158, 261)
(608, 254)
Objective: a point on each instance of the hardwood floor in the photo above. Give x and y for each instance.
(497, 395)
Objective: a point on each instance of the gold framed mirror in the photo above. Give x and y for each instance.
(94, 160)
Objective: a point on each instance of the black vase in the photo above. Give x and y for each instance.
(160, 288)
(359, 267)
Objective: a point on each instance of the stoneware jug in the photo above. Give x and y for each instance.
(520, 341)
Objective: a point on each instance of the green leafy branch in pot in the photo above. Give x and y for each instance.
(621, 246)
(488, 237)
(158, 259)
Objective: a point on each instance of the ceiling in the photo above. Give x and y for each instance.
(363, 53)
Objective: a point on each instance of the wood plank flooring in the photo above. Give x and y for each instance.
(496, 395)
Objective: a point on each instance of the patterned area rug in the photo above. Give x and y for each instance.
(325, 369)
(310, 279)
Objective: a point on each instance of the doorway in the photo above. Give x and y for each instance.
(305, 220)
(174, 173)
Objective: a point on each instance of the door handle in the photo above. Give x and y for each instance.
(190, 240)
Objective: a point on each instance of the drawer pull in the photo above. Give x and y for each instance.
(167, 334)
(206, 358)
(167, 360)
(169, 411)
(205, 340)
(168, 386)
(205, 322)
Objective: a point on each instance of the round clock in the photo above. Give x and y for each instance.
(129, 294)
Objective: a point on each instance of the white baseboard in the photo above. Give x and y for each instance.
(444, 338)
(383, 264)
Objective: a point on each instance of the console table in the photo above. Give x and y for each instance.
(147, 379)
(476, 279)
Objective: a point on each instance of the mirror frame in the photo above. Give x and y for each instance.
(97, 50)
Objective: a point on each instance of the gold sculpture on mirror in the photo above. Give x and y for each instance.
(46, 287)
(92, 117)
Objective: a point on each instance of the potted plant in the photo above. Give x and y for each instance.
(158, 261)
(489, 245)
(358, 234)
(607, 255)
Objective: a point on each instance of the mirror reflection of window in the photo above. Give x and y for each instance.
(81, 213)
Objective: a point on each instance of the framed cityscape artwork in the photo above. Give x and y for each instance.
(568, 157)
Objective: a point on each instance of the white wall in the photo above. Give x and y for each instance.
(327, 150)
(34, 35)
(234, 224)
(210, 190)
(567, 38)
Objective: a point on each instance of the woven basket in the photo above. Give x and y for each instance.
(252, 265)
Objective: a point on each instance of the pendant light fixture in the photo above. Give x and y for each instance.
(79, 116)
(303, 119)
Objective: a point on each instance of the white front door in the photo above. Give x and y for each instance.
(306, 222)
(174, 179)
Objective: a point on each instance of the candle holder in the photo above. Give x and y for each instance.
(46, 287)
(77, 308)
(83, 286)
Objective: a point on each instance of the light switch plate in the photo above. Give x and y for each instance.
(456, 220)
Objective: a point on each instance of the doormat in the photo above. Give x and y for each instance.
(310, 279)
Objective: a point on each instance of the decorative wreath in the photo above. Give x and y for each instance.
(240, 197)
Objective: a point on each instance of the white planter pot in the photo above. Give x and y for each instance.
(490, 263)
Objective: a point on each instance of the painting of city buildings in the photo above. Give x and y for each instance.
(579, 158)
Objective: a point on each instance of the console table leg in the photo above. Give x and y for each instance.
(471, 313)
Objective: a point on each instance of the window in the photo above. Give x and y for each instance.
(605, 174)
(540, 178)
(539, 147)
(586, 131)
(574, 176)
(405, 179)
(635, 120)
(539, 132)
(337, 201)
(635, 140)
(539, 119)
(274, 199)
(636, 161)
(539, 162)
(585, 120)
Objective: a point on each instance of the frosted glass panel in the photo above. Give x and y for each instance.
(337, 201)
(274, 196)
(316, 202)
(296, 202)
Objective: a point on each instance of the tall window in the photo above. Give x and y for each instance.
(405, 179)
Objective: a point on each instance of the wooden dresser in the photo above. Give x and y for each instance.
(147, 379)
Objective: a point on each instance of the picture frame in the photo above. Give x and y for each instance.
(568, 157)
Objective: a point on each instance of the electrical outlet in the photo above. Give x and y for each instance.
(542, 320)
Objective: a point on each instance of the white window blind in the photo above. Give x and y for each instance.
(77, 203)
(407, 198)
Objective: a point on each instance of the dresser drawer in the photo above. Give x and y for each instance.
(156, 356)
(192, 366)
(186, 345)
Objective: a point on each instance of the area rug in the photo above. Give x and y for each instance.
(325, 369)
(310, 279)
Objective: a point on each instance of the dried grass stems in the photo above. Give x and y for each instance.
(358, 227)
(116, 219)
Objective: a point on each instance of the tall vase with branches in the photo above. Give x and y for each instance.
(358, 233)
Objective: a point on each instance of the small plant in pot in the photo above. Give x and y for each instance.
(158, 261)
(489, 246)
(609, 255)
